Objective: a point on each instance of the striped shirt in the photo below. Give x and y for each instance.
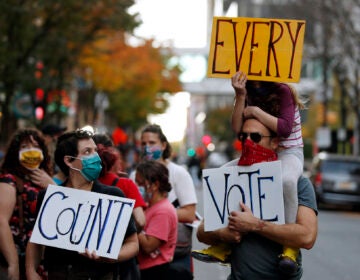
(295, 138)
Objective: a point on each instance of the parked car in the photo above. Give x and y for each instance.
(336, 179)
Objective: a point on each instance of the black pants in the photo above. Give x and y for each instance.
(158, 272)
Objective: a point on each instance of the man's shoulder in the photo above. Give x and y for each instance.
(306, 193)
(105, 189)
(231, 163)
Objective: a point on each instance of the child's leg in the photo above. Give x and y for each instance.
(292, 168)
(215, 253)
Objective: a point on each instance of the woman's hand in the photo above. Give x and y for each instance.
(41, 178)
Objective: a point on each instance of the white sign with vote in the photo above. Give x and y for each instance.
(259, 186)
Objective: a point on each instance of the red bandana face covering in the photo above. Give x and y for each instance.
(254, 153)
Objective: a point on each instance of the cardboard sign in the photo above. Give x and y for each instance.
(265, 49)
(77, 220)
(258, 186)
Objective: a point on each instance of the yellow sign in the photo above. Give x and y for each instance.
(265, 49)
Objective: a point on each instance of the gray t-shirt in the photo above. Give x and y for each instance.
(257, 257)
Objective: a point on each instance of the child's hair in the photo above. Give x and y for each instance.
(299, 101)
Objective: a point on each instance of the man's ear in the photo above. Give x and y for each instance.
(274, 143)
(67, 160)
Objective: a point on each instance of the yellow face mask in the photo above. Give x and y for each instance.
(31, 158)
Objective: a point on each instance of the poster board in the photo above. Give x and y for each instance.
(75, 220)
(265, 49)
(259, 186)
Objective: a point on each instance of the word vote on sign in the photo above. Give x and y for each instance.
(265, 49)
(258, 186)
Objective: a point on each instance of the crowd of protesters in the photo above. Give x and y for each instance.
(36, 158)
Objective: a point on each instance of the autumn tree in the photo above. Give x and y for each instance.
(53, 33)
(134, 77)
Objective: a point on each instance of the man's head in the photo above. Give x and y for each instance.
(53, 130)
(258, 143)
(258, 133)
(70, 144)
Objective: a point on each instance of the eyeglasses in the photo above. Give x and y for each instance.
(82, 133)
(254, 136)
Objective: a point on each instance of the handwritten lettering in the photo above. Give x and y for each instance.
(266, 49)
(96, 222)
(258, 186)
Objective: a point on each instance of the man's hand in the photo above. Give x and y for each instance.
(243, 221)
(229, 236)
(91, 255)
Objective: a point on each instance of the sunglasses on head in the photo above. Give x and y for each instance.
(82, 133)
(254, 136)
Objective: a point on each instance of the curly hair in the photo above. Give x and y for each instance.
(156, 129)
(11, 163)
(154, 171)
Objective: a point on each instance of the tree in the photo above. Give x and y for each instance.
(53, 33)
(332, 38)
(135, 77)
(218, 123)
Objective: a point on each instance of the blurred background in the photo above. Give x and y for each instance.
(118, 65)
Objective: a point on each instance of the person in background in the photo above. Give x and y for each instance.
(155, 146)
(119, 166)
(77, 158)
(109, 157)
(51, 133)
(158, 239)
(256, 244)
(26, 169)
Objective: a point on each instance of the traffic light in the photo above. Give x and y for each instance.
(39, 92)
(39, 113)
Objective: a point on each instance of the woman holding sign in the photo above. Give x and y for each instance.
(26, 170)
(77, 157)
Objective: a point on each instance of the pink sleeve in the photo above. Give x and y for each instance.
(287, 112)
(159, 225)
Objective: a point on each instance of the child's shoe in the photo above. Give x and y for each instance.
(216, 253)
(287, 263)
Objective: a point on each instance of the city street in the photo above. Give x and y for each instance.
(334, 256)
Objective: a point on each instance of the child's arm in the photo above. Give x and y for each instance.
(282, 124)
(265, 118)
(238, 82)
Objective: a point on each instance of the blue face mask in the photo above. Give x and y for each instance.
(91, 167)
(152, 152)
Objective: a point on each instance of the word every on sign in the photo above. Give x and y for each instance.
(78, 220)
(259, 186)
(265, 49)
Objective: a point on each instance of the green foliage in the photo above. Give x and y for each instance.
(53, 32)
(218, 124)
